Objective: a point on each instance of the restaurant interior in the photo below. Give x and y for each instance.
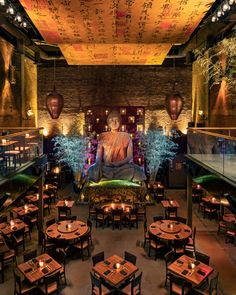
(117, 147)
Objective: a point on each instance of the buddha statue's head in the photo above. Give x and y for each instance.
(114, 120)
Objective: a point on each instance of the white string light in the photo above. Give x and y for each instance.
(222, 10)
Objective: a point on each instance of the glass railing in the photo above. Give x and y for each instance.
(18, 147)
(215, 148)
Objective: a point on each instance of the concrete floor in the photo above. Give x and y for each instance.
(223, 256)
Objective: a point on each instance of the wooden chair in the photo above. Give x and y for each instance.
(29, 255)
(18, 238)
(178, 247)
(63, 212)
(50, 222)
(157, 218)
(92, 211)
(171, 212)
(202, 257)
(181, 219)
(50, 284)
(134, 287)
(208, 289)
(60, 257)
(178, 285)
(141, 212)
(230, 232)
(169, 258)
(146, 233)
(190, 245)
(83, 244)
(116, 218)
(210, 210)
(221, 225)
(130, 257)
(132, 217)
(90, 226)
(47, 244)
(22, 286)
(100, 217)
(98, 257)
(97, 287)
(156, 245)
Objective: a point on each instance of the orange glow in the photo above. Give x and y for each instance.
(221, 100)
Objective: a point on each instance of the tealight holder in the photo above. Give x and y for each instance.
(46, 186)
(213, 199)
(41, 263)
(26, 207)
(171, 202)
(27, 135)
(37, 196)
(4, 141)
(117, 265)
(66, 202)
(12, 223)
(69, 226)
(191, 265)
(112, 206)
(171, 226)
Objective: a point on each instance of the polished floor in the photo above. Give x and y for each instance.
(223, 256)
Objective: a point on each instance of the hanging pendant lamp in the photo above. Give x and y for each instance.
(54, 101)
(174, 102)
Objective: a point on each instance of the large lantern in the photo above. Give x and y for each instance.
(174, 105)
(54, 100)
(54, 103)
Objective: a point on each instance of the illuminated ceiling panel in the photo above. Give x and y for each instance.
(115, 54)
(116, 22)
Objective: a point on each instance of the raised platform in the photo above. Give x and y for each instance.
(121, 190)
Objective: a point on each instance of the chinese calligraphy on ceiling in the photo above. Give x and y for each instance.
(116, 31)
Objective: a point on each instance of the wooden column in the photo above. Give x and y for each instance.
(189, 200)
(40, 205)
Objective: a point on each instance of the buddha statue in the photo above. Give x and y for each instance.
(114, 158)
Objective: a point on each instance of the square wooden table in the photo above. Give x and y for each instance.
(170, 203)
(61, 203)
(110, 274)
(7, 229)
(33, 272)
(195, 276)
(34, 198)
(21, 211)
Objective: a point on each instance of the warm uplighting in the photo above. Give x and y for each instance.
(45, 132)
(57, 170)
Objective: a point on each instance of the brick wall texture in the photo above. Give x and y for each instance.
(114, 86)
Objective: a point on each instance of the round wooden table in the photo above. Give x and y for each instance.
(67, 229)
(170, 230)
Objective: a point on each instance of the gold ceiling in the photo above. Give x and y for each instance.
(116, 31)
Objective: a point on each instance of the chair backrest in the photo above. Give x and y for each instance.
(96, 283)
(3, 218)
(169, 257)
(50, 222)
(157, 218)
(89, 223)
(130, 257)
(52, 278)
(136, 285)
(98, 257)
(29, 255)
(214, 284)
(202, 257)
(174, 279)
(181, 219)
(19, 232)
(18, 282)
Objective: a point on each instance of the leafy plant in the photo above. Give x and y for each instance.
(219, 62)
(71, 150)
(157, 149)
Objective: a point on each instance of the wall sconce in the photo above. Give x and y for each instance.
(12, 76)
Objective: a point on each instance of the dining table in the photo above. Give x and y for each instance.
(25, 210)
(193, 271)
(35, 198)
(7, 228)
(229, 217)
(170, 230)
(115, 270)
(37, 268)
(67, 229)
(170, 203)
(65, 203)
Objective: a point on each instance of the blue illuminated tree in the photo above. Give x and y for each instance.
(157, 149)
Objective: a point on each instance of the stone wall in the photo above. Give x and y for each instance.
(113, 86)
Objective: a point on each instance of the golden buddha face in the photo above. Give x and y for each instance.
(114, 123)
